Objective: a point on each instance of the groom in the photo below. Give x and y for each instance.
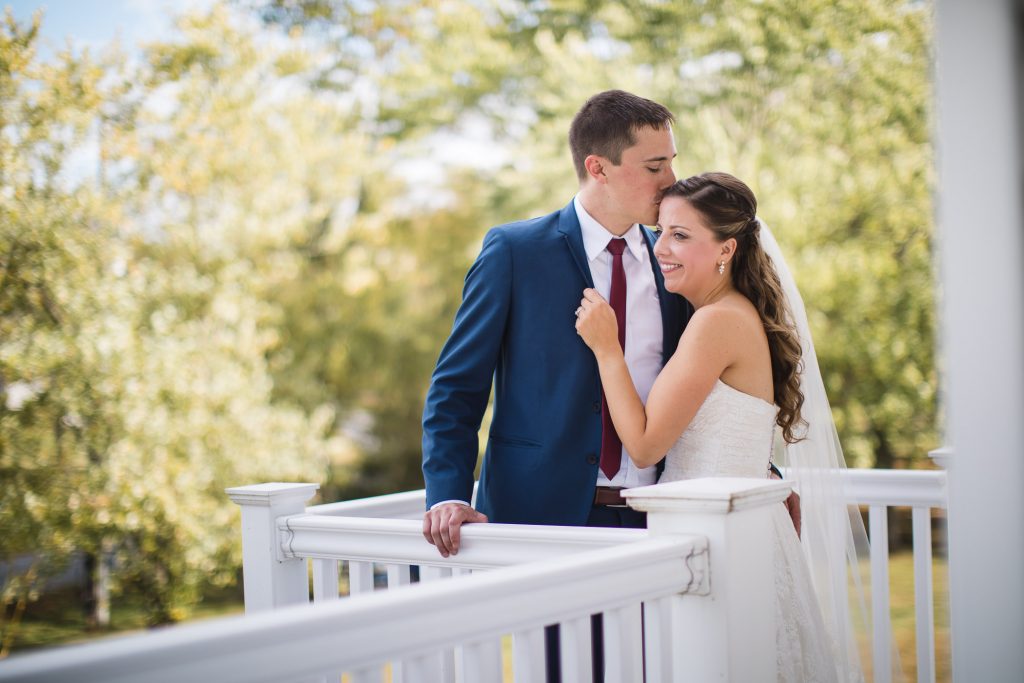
(552, 453)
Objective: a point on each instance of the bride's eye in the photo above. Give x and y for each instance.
(657, 232)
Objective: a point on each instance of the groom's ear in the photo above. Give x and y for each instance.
(595, 167)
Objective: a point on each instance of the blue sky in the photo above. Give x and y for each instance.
(94, 23)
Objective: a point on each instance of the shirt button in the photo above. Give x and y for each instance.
(591, 459)
(597, 406)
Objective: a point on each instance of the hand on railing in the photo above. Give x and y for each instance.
(442, 524)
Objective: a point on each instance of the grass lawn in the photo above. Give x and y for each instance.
(57, 618)
(901, 596)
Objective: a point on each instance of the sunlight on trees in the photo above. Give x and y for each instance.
(234, 257)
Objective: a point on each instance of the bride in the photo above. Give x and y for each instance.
(736, 376)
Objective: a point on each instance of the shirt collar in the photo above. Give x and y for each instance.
(596, 236)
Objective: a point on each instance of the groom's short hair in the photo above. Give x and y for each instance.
(606, 125)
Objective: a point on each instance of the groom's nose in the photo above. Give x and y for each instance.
(670, 177)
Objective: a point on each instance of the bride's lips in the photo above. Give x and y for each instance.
(668, 267)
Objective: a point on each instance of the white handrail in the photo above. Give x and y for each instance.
(912, 488)
(302, 641)
(483, 546)
(404, 505)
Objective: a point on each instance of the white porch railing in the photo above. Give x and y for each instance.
(877, 490)
(451, 630)
(922, 491)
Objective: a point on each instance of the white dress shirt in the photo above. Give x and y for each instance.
(643, 321)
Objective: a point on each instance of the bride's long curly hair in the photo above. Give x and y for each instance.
(729, 209)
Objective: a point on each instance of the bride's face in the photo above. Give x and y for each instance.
(687, 250)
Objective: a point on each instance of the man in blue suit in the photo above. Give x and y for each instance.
(552, 455)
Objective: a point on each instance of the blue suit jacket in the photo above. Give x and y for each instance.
(516, 327)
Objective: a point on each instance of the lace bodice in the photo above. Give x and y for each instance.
(730, 436)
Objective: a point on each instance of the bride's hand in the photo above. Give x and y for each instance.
(596, 323)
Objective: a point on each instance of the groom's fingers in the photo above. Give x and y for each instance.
(793, 504)
(450, 530)
(442, 526)
(433, 521)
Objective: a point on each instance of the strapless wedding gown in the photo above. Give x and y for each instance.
(731, 436)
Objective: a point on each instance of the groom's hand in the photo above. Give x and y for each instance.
(441, 525)
(792, 505)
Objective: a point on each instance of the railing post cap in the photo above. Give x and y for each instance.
(272, 493)
(713, 494)
(940, 456)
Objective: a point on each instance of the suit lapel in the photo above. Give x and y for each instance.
(569, 227)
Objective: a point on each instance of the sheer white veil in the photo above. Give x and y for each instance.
(833, 535)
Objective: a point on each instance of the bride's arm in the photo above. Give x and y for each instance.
(703, 353)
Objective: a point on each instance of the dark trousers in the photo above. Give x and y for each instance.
(603, 516)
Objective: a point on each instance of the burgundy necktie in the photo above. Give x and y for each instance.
(611, 445)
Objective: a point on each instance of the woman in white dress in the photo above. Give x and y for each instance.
(734, 379)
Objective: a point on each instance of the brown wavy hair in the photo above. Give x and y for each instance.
(729, 209)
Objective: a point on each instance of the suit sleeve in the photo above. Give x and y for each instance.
(461, 383)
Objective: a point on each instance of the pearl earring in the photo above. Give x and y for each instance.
(721, 267)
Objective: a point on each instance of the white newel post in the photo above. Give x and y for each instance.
(727, 631)
(269, 579)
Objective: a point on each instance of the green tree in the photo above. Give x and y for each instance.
(134, 342)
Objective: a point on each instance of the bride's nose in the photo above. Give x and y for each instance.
(659, 246)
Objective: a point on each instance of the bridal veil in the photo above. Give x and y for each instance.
(833, 536)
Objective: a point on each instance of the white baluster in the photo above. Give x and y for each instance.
(370, 674)
(360, 580)
(881, 628)
(425, 669)
(577, 658)
(623, 643)
(658, 647)
(360, 577)
(325, 580)
(398, 576)
(444, 660)
(924, 612)
(480, 661)
(528, 656)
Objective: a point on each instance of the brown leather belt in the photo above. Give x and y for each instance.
(609, 495)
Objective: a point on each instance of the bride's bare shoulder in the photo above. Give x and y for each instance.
(734, 311)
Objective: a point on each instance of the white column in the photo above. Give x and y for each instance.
(269, 579)
(979, 74)
(727, 631)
